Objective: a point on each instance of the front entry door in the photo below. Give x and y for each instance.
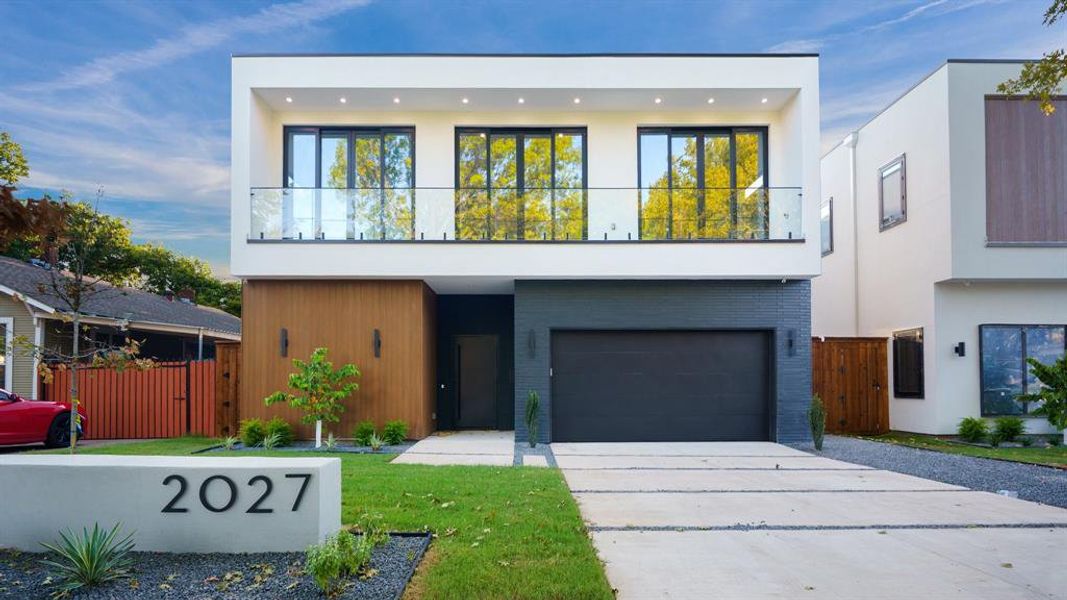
(476, 388)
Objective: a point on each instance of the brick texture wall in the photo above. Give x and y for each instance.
(783, 308)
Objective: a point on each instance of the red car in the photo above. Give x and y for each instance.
(25, 421)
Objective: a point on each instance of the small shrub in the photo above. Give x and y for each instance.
(372, 528)
(995, 439)
(375, 442)
(272, 441)
(395, 432)
(331, 443)
(92, 558)
(817, 420)
(280, 426)
(1009, 428)
(1054, 441)
(533, 407)
(252, 432)
(230, 442)
(338, 556)
(364, 429)
(973, 429)
(1026, 442)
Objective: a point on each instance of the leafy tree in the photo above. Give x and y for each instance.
(1053, 393)
(1040, 80)
(13, 166)
(321, 390)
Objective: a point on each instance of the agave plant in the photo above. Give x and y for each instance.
(375, 442)
(331, 443)
(272, 441)
(230, 442)
(92, 558)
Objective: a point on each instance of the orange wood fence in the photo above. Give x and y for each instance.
(851, 377)
(168, 400)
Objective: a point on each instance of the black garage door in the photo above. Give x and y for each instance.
(610, 386)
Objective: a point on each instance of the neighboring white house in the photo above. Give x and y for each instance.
(650, 221)
(944, 223)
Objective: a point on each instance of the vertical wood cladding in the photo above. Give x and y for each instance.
(1026, 171)
(342, 316)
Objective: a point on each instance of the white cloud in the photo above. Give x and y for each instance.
(194, 39)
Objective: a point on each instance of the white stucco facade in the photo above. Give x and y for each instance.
(934, 271)
(617, 96)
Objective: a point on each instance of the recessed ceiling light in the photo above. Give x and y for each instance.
(522, 100)
(465, 100)
(396, 100)
(711, 100)
(763, 101)
(482, 134)
(658, 100)
(577, 100)
(343, 99)
(288, 99)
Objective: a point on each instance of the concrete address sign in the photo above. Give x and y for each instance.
(172, 504)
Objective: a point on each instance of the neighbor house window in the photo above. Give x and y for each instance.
(703, 183)
(892, 193)
(908, 364)
(349, 183)
(520, 184)
(826, 226)
(1005, 374)
(6, 335)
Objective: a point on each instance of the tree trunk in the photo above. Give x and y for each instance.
(74, 385)
(318, 433)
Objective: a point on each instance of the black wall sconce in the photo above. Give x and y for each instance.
(960, 349)
(531, 343)
(283, 342)
(791, 341)
(377, 344)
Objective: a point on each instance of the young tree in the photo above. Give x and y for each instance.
(321, 390)
(1053, 392)
(13, 165)
(1040, 80)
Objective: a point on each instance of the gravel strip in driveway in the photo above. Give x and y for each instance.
(271, 575)
(1035, 483)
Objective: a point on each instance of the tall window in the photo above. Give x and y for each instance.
(826, 226)
(892, 193)
(520, 184)
(703, 183)
(349, 183)
(1005, 373)
(908, 376)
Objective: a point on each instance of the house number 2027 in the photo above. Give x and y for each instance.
(263, 483)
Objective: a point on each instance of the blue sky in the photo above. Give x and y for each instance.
(134, 97)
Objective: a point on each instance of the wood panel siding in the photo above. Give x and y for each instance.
(342, 316)
(851, 377)
(227, 387)
(1026, 172)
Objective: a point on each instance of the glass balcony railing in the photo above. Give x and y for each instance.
(560, 214)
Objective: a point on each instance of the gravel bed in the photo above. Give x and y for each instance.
(309, 446)
(222, 576)
(1036, 483)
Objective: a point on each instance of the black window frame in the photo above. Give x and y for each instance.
(350, 133)
(829, 204)
(898, 338)
(701, 131)
(1022, 357)
(883, 223)
(520, 133)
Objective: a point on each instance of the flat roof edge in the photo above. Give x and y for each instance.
(522, 55)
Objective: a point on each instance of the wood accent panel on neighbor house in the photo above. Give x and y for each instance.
(1026, 171)
(227, 387)
(851, 375)
(342, 315)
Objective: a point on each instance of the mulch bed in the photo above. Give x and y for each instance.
(272, 575)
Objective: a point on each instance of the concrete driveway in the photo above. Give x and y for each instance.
(760, 520)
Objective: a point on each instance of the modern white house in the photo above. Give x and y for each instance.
(944, 229)
(630, 238)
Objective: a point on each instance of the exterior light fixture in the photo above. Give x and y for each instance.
(289, 99)
(522, 101)
(377, 344)
(960, 349)
(343, 99)
(577, 100)
(396, 100)
(711, 100)
(465, 100)
(659, 100)
(763, 101)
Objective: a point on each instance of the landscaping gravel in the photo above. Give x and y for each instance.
(1047, 485)
(222, 576)
(309, 446)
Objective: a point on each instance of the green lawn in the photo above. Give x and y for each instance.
(164, 447)
(501, 532)
(1055, 455)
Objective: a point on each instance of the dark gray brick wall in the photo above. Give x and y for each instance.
(541, 306)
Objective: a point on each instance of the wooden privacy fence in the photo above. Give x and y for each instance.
(168, 400)
(851, 377)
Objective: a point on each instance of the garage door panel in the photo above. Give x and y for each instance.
(660, 386)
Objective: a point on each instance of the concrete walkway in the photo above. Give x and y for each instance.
(462, 448)
(759, 520)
